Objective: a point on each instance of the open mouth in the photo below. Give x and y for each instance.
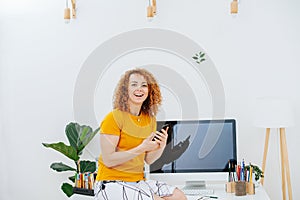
(138, 95)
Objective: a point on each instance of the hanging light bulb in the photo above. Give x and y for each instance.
(234, 7)
(150, 13)
(67, 12)
(154, 7)
(73, 9)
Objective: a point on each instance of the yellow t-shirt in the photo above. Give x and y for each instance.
(132, 130)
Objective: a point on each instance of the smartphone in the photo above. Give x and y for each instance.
(163, 127)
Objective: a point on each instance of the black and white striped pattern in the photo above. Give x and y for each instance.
(142, 190)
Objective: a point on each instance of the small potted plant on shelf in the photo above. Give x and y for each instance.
(78, 136)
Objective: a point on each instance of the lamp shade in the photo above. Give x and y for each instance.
(273, 113)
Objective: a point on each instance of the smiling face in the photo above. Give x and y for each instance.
(137, 89)
(138, 93)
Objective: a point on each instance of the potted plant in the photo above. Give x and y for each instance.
(78, 136)
(258, 173)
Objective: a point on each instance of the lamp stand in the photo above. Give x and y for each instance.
(285, 169)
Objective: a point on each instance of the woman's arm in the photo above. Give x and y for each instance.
(152, 156)
(113, 157)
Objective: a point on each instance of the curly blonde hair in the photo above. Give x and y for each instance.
(121, 96)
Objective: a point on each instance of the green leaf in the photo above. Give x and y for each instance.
(72, 134)
(84, 132)
(72, 178)
(79, 136)
(60, 167)
(68, 151)
(87, 166)
(87, 138)
(203, 59)
(257, 171)
(194, 57)
(202, 55)
(67, 189)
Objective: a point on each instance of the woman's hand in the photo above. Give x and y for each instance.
(161, 142)
(149, 144)
(113, 156)
(161, 137)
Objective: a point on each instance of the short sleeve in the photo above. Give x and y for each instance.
(109, 125)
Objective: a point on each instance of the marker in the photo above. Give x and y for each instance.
(76, 178)
(243, 171)
(229, 172)
(238, 171)
(250, 173)
(78, 181)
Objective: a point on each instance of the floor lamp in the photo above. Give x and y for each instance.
(275, 113)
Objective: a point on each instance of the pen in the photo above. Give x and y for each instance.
(250, 173)
(211, 197)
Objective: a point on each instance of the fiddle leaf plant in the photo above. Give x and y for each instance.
(78, 136)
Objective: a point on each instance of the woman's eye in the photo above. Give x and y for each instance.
(145, 85)
(133, 84)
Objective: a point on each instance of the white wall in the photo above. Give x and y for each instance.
(255, 53)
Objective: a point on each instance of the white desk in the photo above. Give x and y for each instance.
(219, 191)
(217, 185)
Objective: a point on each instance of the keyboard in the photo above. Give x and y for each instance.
(197, 191)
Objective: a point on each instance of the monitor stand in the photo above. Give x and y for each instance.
(195, 185)
(196, 188)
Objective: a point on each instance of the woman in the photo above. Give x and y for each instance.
(127, 142)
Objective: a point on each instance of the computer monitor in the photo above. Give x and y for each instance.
(197, 147)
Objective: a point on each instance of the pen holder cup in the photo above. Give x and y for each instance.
(240, 188)
(230, 187)
(250, 188)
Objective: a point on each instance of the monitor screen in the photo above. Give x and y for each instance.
(197, 146)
